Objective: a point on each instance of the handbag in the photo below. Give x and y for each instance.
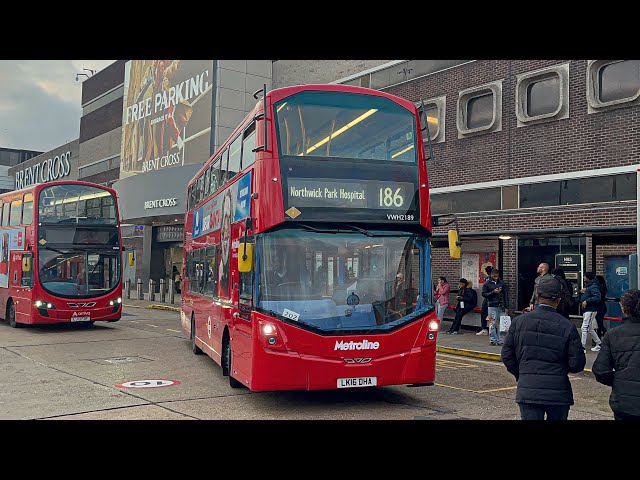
(505, 323)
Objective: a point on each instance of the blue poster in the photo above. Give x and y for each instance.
(232, 204)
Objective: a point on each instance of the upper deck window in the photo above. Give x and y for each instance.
(76, 204)
(345, 125)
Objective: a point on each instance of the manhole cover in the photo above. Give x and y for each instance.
(118, 360)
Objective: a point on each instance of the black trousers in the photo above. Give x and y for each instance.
(484, 313)
(460, 312)
(535, 411)
(602, 310)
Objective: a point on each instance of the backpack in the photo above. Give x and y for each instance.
(474, 298)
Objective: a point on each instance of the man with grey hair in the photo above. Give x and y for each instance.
(543, 276)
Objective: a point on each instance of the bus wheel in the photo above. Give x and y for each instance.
(227, 360)
(194, 348)
(11, 315)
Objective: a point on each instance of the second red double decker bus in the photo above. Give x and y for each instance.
(61, 248)
(307, 255)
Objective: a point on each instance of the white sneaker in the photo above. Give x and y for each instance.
(484, 331)
(596, 348)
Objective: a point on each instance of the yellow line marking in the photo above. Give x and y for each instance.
(148, 324)
(469, 353)
(177, 331)
(455, 388)
(496, 389)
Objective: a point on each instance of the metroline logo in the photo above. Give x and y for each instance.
(363, 345)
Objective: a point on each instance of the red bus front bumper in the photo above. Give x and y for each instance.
(67, 315)
(276, 368)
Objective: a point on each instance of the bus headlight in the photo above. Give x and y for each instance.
(49, 305)
(39, 303)
(268, 329)
(433, 325)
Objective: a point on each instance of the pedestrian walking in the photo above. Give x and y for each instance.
(589, 301)
(540, 350)
(494, 291)
(565, 299)
(602, 307)
(618, 362)
(484, 309)
(467, 300)
(543, 275)
(442, 297)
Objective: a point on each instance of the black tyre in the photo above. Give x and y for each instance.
(227, 360)
(194, 348)
(11, 316)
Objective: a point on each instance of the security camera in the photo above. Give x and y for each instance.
(76, 77)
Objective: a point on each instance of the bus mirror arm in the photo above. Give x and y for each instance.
(247, 226)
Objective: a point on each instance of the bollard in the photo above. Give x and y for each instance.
(127, 288)
(171, 294)
(162, 292)
(152, 290)
(139, 289)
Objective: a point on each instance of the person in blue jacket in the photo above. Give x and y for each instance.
(590, 301)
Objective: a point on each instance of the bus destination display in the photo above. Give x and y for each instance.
(337, 193)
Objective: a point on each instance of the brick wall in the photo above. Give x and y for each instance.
(580, 142)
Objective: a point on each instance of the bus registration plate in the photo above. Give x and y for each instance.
(357, 382)
(80, 319)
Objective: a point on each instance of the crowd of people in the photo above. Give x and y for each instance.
(542, 345)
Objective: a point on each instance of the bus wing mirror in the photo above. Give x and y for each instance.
(454, 244)
(26, 264)
(132, 259)
(245, 257)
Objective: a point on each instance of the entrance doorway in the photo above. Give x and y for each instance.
(534, 251)
(173, 265)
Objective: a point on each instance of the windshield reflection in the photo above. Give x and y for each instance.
(341, 281)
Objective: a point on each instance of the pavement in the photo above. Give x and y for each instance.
(465, 344)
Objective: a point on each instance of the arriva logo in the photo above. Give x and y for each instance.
(363, 345)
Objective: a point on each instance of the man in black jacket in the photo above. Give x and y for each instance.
(618, 362)
(540, 349)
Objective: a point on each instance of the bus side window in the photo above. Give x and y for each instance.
(27, 209)
(223, 167)
(215, 176)
(234, 158)
(5, 214)
(248, 145)
(210, 268)
(207, 183)
(199, 189)
(16, 213)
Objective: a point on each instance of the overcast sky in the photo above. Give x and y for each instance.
(40, 102)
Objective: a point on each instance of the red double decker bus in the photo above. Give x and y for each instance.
(307, 254)
(60, 254)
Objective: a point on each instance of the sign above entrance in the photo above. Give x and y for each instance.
(170, 233)
(161, 203)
